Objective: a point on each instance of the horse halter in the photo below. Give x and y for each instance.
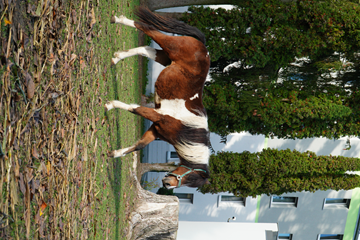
(179, 177)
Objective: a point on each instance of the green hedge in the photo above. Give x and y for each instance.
(279, 171)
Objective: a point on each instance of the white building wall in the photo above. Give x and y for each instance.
(216, 230)
(207, 207)
(309, 218)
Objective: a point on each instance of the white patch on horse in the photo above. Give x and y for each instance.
(176, 109)
(193, 152)
(195, 96)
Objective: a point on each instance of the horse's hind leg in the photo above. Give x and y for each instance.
(123, 20)
(157, 55)
(148, 113)
(149, 136)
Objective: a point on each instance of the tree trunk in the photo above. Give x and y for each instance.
(155, 216)
(159, 4)
(157, 167)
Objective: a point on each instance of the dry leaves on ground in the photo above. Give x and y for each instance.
(39, 121)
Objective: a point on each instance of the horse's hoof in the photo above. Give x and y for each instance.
(114, 61)
(113, 19)
(111, 154)
(108, 106)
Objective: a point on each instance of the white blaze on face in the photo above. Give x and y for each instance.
(170, 187)
(195, 96)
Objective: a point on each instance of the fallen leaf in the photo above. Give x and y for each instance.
(88, 38)
(42, 208)
(54, 95)
(61, 225)
(82, 63)
(42, 168)
(30, 85)
(73, 16)
(72, 59)
(7, 22)
(35, 153)
(17, 168)
(37, 217)
(9, 64)
(92, 18)
(103, 121)
(51, 58)
(48, 168)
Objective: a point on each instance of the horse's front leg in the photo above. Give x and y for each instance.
(148, 113)
(149, 136)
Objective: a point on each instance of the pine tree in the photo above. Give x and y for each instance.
(274, 32)
(285, 110)
(316, 98)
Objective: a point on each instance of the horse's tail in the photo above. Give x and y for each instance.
(169, 25)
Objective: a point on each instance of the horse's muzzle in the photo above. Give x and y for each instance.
(169, 182)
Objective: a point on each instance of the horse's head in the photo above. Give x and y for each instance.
(186, 176)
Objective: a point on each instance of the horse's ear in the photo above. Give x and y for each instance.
(207, 181)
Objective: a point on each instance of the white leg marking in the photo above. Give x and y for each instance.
(195, 96)
(117, 104)
(143, 51)
(120, 152)
(125, 21)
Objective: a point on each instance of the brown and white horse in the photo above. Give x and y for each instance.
(179, 117)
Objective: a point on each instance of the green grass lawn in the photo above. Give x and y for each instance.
(56, 179)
